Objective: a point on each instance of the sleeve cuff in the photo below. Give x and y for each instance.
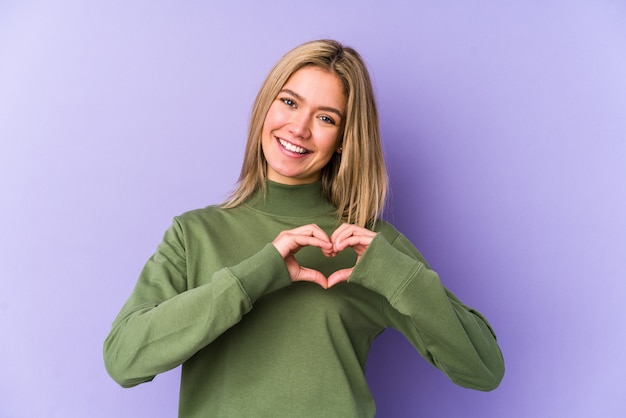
(262, 273)
(385, 270)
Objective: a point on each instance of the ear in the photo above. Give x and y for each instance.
(339, 150)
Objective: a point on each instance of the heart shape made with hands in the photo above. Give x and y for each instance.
(289, 242)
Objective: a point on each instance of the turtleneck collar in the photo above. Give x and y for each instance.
(297, 201)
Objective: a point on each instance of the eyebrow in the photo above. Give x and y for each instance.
(324, 108)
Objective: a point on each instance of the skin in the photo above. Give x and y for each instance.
(289, 242)
(301, 132)
(306, 116)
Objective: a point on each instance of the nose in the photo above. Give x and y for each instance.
(300, 125)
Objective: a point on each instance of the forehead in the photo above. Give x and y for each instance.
(317, 84)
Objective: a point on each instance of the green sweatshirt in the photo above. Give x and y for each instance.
(216, 297)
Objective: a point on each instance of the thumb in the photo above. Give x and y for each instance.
(310, 275)
(339, 276)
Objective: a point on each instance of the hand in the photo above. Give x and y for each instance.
(288, 243)
(348, 235)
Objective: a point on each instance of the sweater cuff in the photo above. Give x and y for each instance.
(262, 273)
(385, 270)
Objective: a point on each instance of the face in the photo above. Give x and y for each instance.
(302, 128)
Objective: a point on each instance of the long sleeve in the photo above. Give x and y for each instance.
(163, 323)
(455, 338)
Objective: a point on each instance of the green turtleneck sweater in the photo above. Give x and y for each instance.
(216, 297)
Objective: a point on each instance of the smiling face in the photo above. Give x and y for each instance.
(302, 127)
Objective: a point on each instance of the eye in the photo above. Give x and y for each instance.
(327, 119)
(288, 101)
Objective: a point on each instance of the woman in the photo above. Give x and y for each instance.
(271, 300)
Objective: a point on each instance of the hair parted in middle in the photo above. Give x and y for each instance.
(355, 181)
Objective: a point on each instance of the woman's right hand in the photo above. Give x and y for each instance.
(289, 242)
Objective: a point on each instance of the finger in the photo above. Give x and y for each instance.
(319, 238)
(290, 244)
(311, 230)
(358, 242)
(339, 231)
(299, 241)
(339, 276)
(286, 242)
(347, 230)
(354, 241)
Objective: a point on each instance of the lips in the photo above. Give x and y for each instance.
(292, 147)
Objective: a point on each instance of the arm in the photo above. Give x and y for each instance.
(455, 338)
(163, 323)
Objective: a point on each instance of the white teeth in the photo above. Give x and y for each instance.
(291, 147)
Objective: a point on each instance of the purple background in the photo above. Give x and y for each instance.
(505, 135)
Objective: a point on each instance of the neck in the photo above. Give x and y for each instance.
(291, 200)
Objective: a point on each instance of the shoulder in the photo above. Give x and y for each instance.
(199, 213)
(198, 225)
(210, 218)
(208, 214)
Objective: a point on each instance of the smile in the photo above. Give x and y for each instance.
(291, 147)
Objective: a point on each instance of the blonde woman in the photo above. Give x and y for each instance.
(271, 300)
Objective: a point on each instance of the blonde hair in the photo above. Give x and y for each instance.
(354, 181)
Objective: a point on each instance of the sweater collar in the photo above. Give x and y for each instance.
(297, 201)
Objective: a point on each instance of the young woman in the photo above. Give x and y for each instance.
(271, 300)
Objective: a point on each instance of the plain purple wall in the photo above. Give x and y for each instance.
(505, 135)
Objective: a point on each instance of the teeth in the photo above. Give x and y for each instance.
(291, 147)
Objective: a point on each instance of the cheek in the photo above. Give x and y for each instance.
(331, 139)
(269, 124)
(275, 117)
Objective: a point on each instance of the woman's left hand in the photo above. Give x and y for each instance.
(348, 235)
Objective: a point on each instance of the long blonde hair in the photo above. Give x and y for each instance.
(354, 181)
